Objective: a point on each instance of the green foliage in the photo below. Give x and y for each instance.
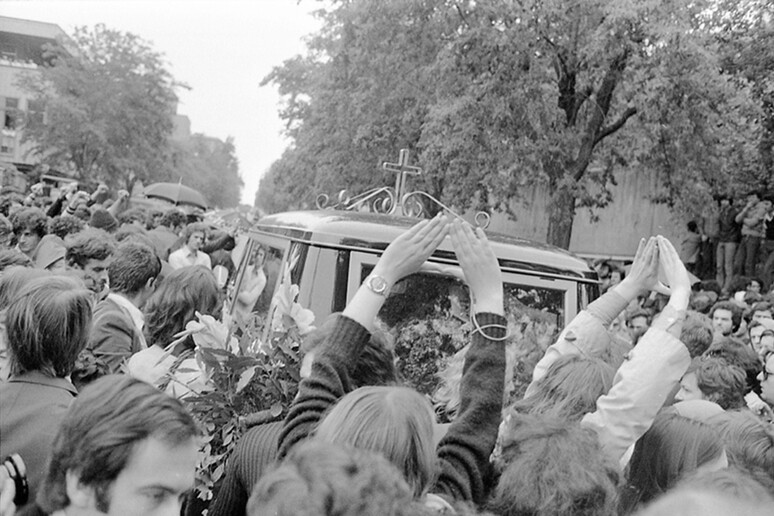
(251, 377)
(108, 107)
(208, 165)
(496, 97)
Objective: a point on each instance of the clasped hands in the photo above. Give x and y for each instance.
(656, 258)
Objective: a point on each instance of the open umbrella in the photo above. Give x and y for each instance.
(176, 193)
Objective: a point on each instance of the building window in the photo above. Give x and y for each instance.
(7, 144)
(36, 112)
(10, 113)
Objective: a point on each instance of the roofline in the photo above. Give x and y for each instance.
(267, 226)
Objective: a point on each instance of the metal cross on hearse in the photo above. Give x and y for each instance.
(395, 201)
(401, 169)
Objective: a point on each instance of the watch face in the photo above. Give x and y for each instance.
(377, 284)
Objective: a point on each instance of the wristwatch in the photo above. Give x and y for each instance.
(377, 284)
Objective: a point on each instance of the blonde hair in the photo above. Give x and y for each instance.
(394, 421)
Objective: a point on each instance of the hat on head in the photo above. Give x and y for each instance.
(102, 219)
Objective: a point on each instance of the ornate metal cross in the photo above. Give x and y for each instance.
(401, 169)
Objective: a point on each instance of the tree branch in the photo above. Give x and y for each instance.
(610, 129)
(462, 15)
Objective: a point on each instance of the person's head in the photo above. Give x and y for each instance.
(703, 502)
(738, 354)
(394, 421)
(755, 331)
(723, 200)
(13, 258)
(174, 219)
(638, 323)
(749, 442)
(732, 481)
(569, 389)
(14, 279)
(133, 270)
(29, 226)
(133, 217)
(63, 225)
(754, 285)
(762, 310)
(195, 235)
(154, 218)
(176, 300)
(696, 333)
(374, 366)
(766, 378)
(766, 343)
(726, 317)
(102, 219)
(616, 276)
(672, 447)
(125, 448)
(551, 466)
(89, 253)
(320, 479)
(47, 324)
(693, 227)
(603, 269)
(713, 379)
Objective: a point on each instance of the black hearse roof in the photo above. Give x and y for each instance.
(370, 232)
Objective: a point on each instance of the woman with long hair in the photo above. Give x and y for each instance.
(179, 297)
(569, 389)
(397, 421)
(176, 301)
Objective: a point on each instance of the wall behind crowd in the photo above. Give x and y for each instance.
(630, 216)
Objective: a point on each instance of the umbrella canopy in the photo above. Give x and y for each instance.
(176, 193)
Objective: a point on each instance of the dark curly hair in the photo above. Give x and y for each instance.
(30, 218)
(63, 225)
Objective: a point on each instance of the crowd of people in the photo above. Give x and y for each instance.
(656, 399)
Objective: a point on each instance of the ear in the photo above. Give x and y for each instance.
(150, 284)
(80, 495)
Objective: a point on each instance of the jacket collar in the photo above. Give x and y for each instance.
(38, 378)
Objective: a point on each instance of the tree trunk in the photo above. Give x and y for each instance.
(561, 213)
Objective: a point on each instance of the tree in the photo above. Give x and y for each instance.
(209, 165)
(500, 96)
(108, 108)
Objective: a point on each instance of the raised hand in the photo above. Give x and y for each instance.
(644, 271)
(480, 267)
(674, 272)
(406, 254)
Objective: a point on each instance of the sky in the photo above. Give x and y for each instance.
(221, 49)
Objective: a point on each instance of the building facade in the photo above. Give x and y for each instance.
(22, 51)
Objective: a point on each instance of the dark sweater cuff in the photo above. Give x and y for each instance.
(494, 332)
(346, 339)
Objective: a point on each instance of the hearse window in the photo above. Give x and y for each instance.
(427, 315)
(262, 261)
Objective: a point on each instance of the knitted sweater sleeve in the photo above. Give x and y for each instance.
(465, 472)
(328, 382)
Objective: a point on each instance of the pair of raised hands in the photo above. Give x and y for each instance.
(406, 254)
(657, 266)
